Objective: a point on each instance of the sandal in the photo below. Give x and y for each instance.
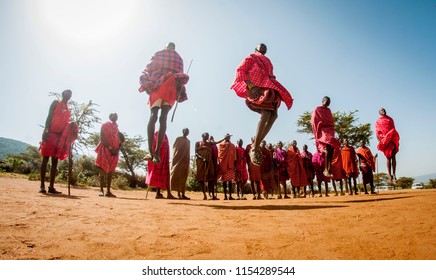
(159, 196)
(148, 156)
(52, 190)
(256, 157)
(109, 194)
(156, 158)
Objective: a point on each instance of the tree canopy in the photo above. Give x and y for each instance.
(346, 127)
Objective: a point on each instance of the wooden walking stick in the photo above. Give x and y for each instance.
(378, 177)
(177, 103)
(146, 194)
(70, 167)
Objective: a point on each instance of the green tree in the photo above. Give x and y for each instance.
(346, 126)
(432, 183)
(381, 178)
(404, 182)
(33, 158)
(132, 158)
(26, 162)
(16, 164)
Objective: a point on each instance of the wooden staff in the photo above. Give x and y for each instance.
(70, 166)
(378, 177)
(177, 103)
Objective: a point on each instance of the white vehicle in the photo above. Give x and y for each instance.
(382, 188)
(417, 186)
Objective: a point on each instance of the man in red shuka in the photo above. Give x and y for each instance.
(241, 172)
(349, 164)
(367, 166)
(57, 137)
(227, 164)
(389, 142)
(255, 81)
(163, 79)
(323, 127)
(108, 150)
(158, 174)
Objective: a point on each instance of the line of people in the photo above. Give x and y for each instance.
(232, 165)
(164, 81)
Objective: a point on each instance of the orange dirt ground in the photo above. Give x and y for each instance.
(393, 225)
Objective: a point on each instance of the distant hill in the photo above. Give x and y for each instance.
(425, 178)
(11, 146)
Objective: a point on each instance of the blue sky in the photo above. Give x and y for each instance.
(363, 54)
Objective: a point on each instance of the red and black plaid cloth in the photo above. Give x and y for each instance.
(163, 64)
(258, 69)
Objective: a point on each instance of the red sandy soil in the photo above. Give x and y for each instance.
(393, 225)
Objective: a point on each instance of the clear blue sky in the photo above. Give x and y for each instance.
(363, 54)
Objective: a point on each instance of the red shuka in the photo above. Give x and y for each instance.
(323, 127)
(61, 133)
(349, 163)
(387, 135)
(241, 166)
(226, 161)
(158, 175)
(296, 170)
(105, 160)
(258, 69)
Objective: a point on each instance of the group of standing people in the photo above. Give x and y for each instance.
(58, 135)
(267, 168)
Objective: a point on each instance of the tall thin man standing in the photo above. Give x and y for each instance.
(57, 137)
(180, 164)
(108, 150)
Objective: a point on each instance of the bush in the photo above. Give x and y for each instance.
(120, 182)
(34, 176)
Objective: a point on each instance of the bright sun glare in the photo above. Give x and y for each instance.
(85, 22)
